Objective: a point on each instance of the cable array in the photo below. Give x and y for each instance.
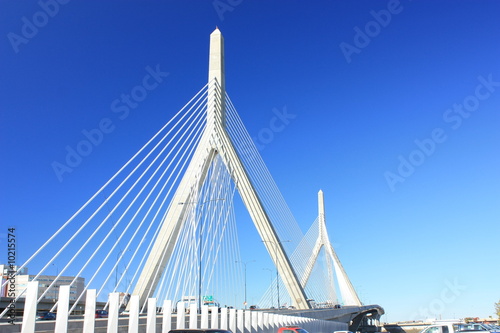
(274, 204)
(112, 231)
(299, 247)
(321, 285)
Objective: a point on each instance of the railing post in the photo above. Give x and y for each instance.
(259, 325)
(89, 317)
(133, 315)
(193, 316)
(248, 321)
(151, 320)
(223, 319)
(114, 299)
(62, 310)
(240, 321)
(214, 320)
(204, 317)
(181, 316)
(167, 316)
(270, 322)
(30, 308)
(265, 323)
(232, 320)
(279, 320)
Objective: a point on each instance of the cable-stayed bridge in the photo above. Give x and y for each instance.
(165, 225)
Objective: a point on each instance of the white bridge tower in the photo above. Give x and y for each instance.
(348, 294)
(215, 142)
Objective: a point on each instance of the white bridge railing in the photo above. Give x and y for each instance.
(237, 321)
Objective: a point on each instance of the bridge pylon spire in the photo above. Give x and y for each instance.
(215, 142)
(217, 83)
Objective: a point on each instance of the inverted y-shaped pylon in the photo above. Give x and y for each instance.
(349, 295)
(215, 141)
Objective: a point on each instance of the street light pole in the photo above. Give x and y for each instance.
(200, 237)
(245, 265)
(276, 262)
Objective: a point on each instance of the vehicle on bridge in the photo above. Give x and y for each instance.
(493, 327)
(46, 316)
(199, 331)
(479, 327)
(455, 327)
(101, 314)
(291, 329)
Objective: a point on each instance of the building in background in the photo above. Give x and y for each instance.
(4, 271)
(44, 281)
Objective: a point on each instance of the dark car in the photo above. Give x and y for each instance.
(101, 314)
(199, 331)
(46, 316)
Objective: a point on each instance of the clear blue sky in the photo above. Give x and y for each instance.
(420, 240)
